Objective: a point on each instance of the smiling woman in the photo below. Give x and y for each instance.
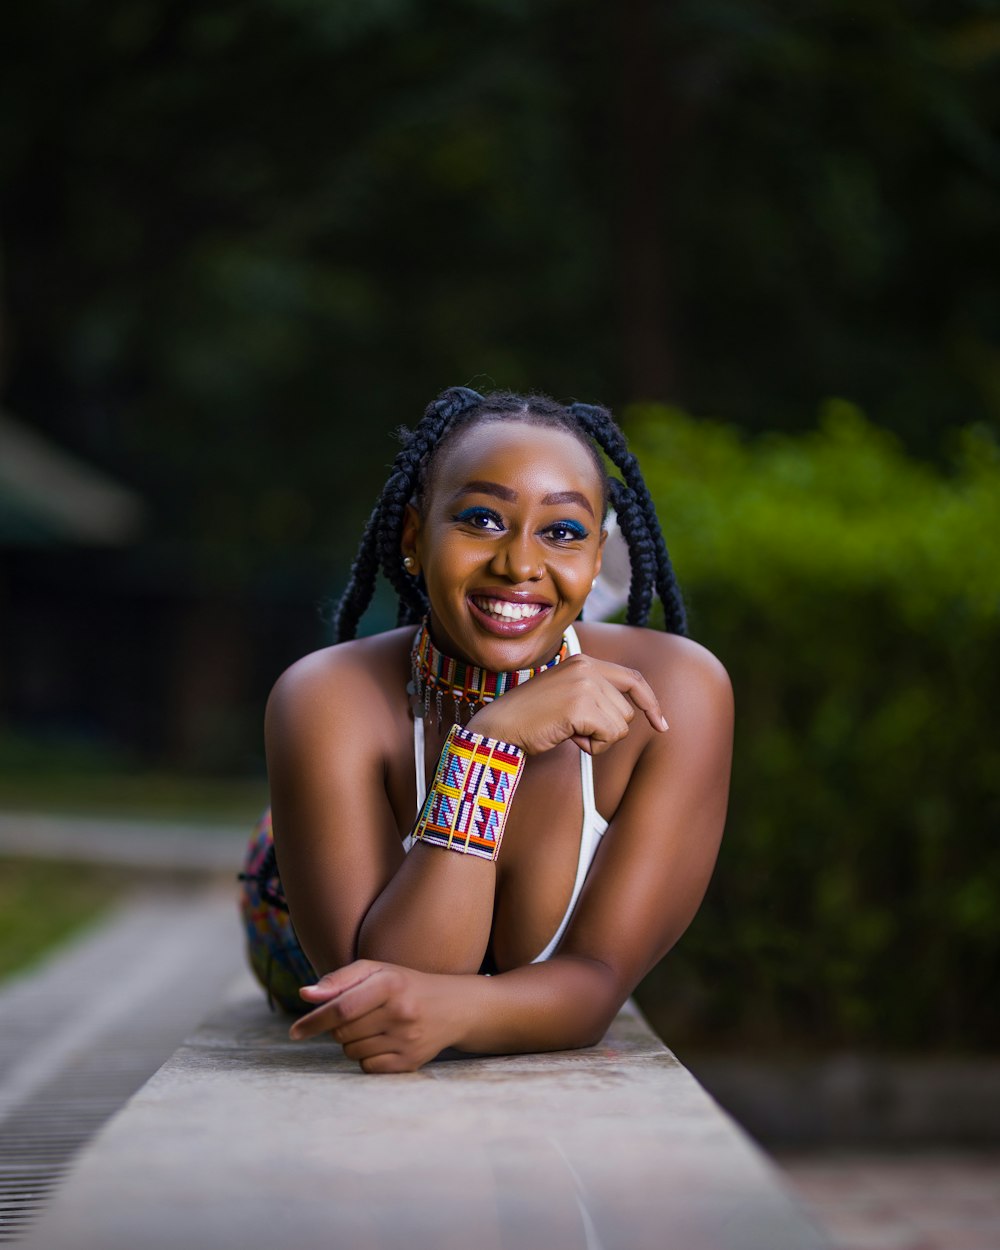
(563, 837)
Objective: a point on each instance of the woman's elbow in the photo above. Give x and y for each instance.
(597, 997)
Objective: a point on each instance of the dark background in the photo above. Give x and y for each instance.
(241, 242)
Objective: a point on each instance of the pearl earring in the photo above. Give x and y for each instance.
(409, 563)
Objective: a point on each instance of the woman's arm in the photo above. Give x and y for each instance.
(647, 882)
(350, 886)
(351, 889)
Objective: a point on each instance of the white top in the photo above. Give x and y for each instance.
(594, 824)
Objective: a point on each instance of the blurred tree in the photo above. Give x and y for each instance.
(244, 240)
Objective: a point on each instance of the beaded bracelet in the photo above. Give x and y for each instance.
(466, 807)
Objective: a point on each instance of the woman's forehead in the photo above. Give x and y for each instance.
(539, 459)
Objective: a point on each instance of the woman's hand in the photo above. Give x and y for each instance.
(587, 701)
(390, 1019)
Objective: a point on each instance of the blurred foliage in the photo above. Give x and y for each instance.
(243, 241)
(854, 595)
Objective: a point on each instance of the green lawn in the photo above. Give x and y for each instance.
(42, 903)
(143, 796)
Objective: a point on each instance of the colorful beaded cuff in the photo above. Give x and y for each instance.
(466, 807)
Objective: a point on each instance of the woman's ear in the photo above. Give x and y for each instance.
(409, 539)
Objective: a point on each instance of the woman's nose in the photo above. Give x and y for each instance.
(518, 559)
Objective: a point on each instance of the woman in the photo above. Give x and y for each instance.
(565, 836)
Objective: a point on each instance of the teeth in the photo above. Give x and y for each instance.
(508, 611)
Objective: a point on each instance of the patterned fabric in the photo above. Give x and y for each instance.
(468, 687)
(277, 959)
(466, 807)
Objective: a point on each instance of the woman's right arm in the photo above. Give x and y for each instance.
(352, 890)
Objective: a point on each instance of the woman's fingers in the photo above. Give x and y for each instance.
(358, 1000)
(591, 702)
(378, 1018)
(339, 981)
(367, 1047)
(630, 682)
(614, 707)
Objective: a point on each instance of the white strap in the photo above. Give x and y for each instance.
(592, 829)
(593, 824)
(418, 760)
(418, 765)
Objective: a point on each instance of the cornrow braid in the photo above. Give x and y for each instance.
(600, 425)
(411, 475)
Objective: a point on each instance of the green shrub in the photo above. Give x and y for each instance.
(853, 594)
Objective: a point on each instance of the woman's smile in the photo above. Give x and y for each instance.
(509, 614)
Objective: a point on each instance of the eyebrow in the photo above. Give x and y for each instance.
(487, 488)
(569, 496)
(480, 487)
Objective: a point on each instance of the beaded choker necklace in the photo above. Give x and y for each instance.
(469, 688)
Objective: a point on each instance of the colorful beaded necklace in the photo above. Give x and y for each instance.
(470, 688)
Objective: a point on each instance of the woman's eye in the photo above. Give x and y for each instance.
(567, 531)
(479, 519)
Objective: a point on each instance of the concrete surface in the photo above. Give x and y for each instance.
(126, 842)
(81, 1032)
(245, 1139)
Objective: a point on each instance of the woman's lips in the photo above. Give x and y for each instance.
(505, 617)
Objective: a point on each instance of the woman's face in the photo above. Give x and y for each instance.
(509, 542)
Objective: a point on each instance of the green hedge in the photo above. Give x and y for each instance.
(854, 596)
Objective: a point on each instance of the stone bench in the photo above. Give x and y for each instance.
(245, 1139)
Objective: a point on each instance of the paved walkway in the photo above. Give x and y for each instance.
(130, 843)
(931, 1201)
(86, 1029)
(80, 1019)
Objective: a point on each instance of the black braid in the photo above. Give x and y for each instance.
(411, 475)
(600, 425)
(641, 553)
(360, 585)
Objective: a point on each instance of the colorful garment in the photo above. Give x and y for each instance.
(277, 959)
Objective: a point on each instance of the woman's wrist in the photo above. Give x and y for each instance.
(468, 802)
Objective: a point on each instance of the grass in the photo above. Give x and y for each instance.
(140, 796)
(83, 778)
(43, 903)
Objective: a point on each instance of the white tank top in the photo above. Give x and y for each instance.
(594, 824)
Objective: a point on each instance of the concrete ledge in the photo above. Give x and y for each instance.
(244, 1139)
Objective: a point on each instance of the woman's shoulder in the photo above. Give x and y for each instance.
(670, 663)
(365, 673)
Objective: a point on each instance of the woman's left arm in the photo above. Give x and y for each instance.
(646, 884)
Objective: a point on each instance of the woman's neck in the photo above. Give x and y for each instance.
(455, 689)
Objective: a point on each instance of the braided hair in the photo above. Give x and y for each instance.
(459, 408)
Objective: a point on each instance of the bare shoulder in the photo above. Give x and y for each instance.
(684, 674)
(352, 683)
(657, 655)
